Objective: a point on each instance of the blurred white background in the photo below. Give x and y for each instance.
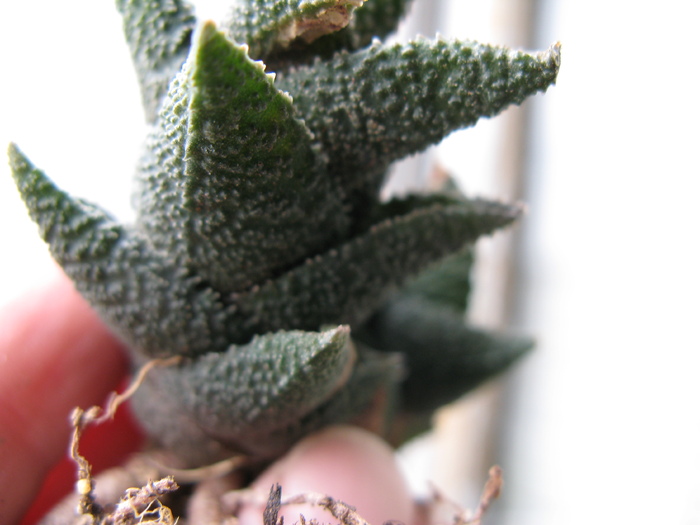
(603, 422)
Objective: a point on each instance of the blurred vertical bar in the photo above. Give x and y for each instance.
(487, 161)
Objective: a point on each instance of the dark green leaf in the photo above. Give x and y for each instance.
(370, 108)
(158, 33)
(444, 357)
(261, 397)
(233, 188)
(345, 285)
(156, 307)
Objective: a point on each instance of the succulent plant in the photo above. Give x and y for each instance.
(262, 252)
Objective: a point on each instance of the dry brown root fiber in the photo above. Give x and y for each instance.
(137, 493)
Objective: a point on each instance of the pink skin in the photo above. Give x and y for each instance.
(55, 354)
(346, 463)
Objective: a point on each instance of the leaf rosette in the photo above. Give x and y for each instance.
(260, 239)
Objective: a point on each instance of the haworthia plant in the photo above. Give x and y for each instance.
(262, 253)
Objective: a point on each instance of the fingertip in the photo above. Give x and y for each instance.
(347, 464)
(56, 354)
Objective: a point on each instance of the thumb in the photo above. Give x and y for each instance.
(345, 463)
(55, 354)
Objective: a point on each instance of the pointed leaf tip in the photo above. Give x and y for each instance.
(445, 357)
(269, 383)
(346, 284)
(156, 307)
(205, 33)
(370, 108)
(242, 163)
(17, 160)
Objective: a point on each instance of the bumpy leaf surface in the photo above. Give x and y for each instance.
(272, 381)
(259, 221)
(254, 397)
(375, 106)
(349, 283)
(157, 307)
(232, 186)
(158, 33)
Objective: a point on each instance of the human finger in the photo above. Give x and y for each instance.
(55, 354)
(346, 463)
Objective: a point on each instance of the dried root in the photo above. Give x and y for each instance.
(137, 505)
(492, 489)
(212, 500)
(143, 505)
(347, 515)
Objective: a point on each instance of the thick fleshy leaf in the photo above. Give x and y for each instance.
(268, 383)
(156, 307)
(345, 285)
(447, 284)
(260, 397)
(260, 222)
(158, 33)
(370, 393)
(445, 358)
(233, 188)
(273, 25)
(372, 107)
